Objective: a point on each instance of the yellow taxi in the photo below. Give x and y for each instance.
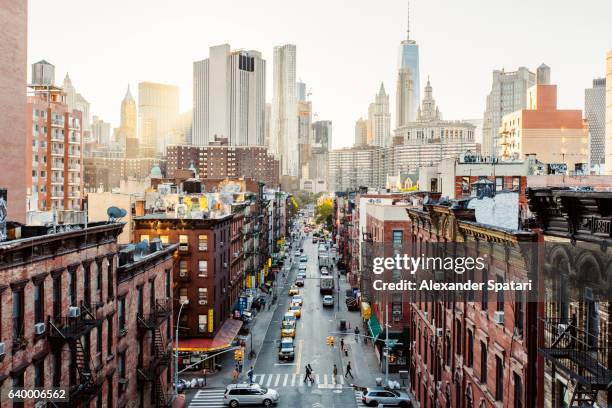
(296, 309)
(288, 328)
(293, 290)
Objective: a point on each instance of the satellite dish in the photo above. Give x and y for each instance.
(142, 246)
(115, 213)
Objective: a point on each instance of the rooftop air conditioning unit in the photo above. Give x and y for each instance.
(498, 317)
(425, 315)
(39, 328)
(74, 311)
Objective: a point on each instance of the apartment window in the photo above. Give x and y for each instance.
(99, 345)
(183, 239)
(121, 316)
(519, 312)
(499, 183)
(140, 300)
(18, 315)
(72, 288)
(168, 284)
(99, 281)
(109, 336)
(39, 303)
(164, 239)
(203, 296)
(87, 284)
(109, 391)
(485, 293)
(398, 237)
(121, 370)
(516, 183)
(109, 279)
(202, 323)
(483, 362)
(499, 379)
(183, 268)
(458, 338)
(500, 296)
(183, 297)
(39, 373)
(144, 238)
(203, 268)
(151, 295)
(57, 368)
(518, 391)
(470, 348)
(202, 242)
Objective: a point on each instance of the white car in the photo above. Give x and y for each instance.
(249, 394)
(328, 300)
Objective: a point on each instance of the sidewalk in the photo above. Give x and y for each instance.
(222, 378)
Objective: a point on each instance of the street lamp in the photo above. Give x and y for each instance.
(183, 302)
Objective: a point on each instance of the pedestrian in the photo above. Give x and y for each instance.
(345, 349)
(356, 334)
(334, 373)
(311, 371)
(341, 344)
(308, 375)
(348, 370)
(235, 374)
(250, 375)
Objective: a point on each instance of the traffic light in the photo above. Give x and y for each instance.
(330, 341)
(238, 355)
(392, 358)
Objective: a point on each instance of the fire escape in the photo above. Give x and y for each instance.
(160, 356)
(577, 354)
(70, 329)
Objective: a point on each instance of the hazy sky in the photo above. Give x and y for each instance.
(344, 48)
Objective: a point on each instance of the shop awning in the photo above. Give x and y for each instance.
(374, 327)
(222, 340)
(366, 311)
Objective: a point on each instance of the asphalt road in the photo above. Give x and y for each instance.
(313, 328)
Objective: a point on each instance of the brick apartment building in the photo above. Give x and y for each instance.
(144, 325)
(480, 353)
(221, 161)
(59, 326)
(206, 277)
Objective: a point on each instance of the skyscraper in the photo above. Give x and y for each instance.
(608, 158)
(409, 98)
(380, 119)
(361, 132)
(127, 124)
(508, 94)
(13, 66)
(301, 91)
(595, 115)
(229, 97)
(322, 134)
(304, 134)
(158, 106)
(100, 131)
(267, 125)
(76, 101)
(283, 125)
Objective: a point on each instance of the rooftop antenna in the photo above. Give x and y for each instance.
(408, 25)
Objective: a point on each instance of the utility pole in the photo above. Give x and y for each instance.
(176, 339)
(386, 343)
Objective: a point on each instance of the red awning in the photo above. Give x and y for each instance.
(222, 340)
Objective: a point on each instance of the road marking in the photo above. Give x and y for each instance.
(293, 379)
(285, 380)
(277, 380)
(342, 379)
(298, 360)
(258, 376)
(317, 378)
(325, 379)
(269, 381)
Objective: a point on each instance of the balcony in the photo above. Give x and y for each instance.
(577, 353)
(73, 327)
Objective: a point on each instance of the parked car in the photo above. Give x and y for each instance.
(379, 395)
(249, 394)
(328, 300)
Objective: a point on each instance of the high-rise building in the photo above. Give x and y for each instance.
(301, 91)
(76, 101)
(508, 94)
(13, 71)
(608, 158)
(304, 135)
(127, 124)
(229, 97)
(595, 115)
(361, 132)
(268, 117)
(559, 137)
(380, 119)
(54, 155)
(283, 125)
(158, 107)
(408, 77)
(322, 134)
(100, 131)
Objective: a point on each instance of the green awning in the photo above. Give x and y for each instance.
(374, 326)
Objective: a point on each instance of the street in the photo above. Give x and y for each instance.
(315, 324)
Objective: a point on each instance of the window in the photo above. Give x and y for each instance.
(109, 336)
(39, 374)
(164, 239)
(518, 391)
(72, 288)
(183, 297)
(183, 268)
(483, 362)
(109, 391)
(499, 183)
(203, 296)
(499, 379)
(470, 348)
(144, 238)
(39, 303)
(18, 312)
(121, 316)
(99, 345)
(99, 281)
(121, 370)
(183, 239)
(396, 307)
(398, 237)
(458, 338)
(87, 284)
(500, 296)
(139, 300)
(203, 269)
(168, 285)
(202, 323)
(151, 295)
(485, 293)
(109, 279)
(202, 242)
(516, 183)
(57, 368)
(518, 312)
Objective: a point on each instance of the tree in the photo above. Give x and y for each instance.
(323, 213)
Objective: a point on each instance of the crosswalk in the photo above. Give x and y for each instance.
(358, 400)
(297, 380)
(209, 398)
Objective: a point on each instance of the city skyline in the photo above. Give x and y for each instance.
(439, 43)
